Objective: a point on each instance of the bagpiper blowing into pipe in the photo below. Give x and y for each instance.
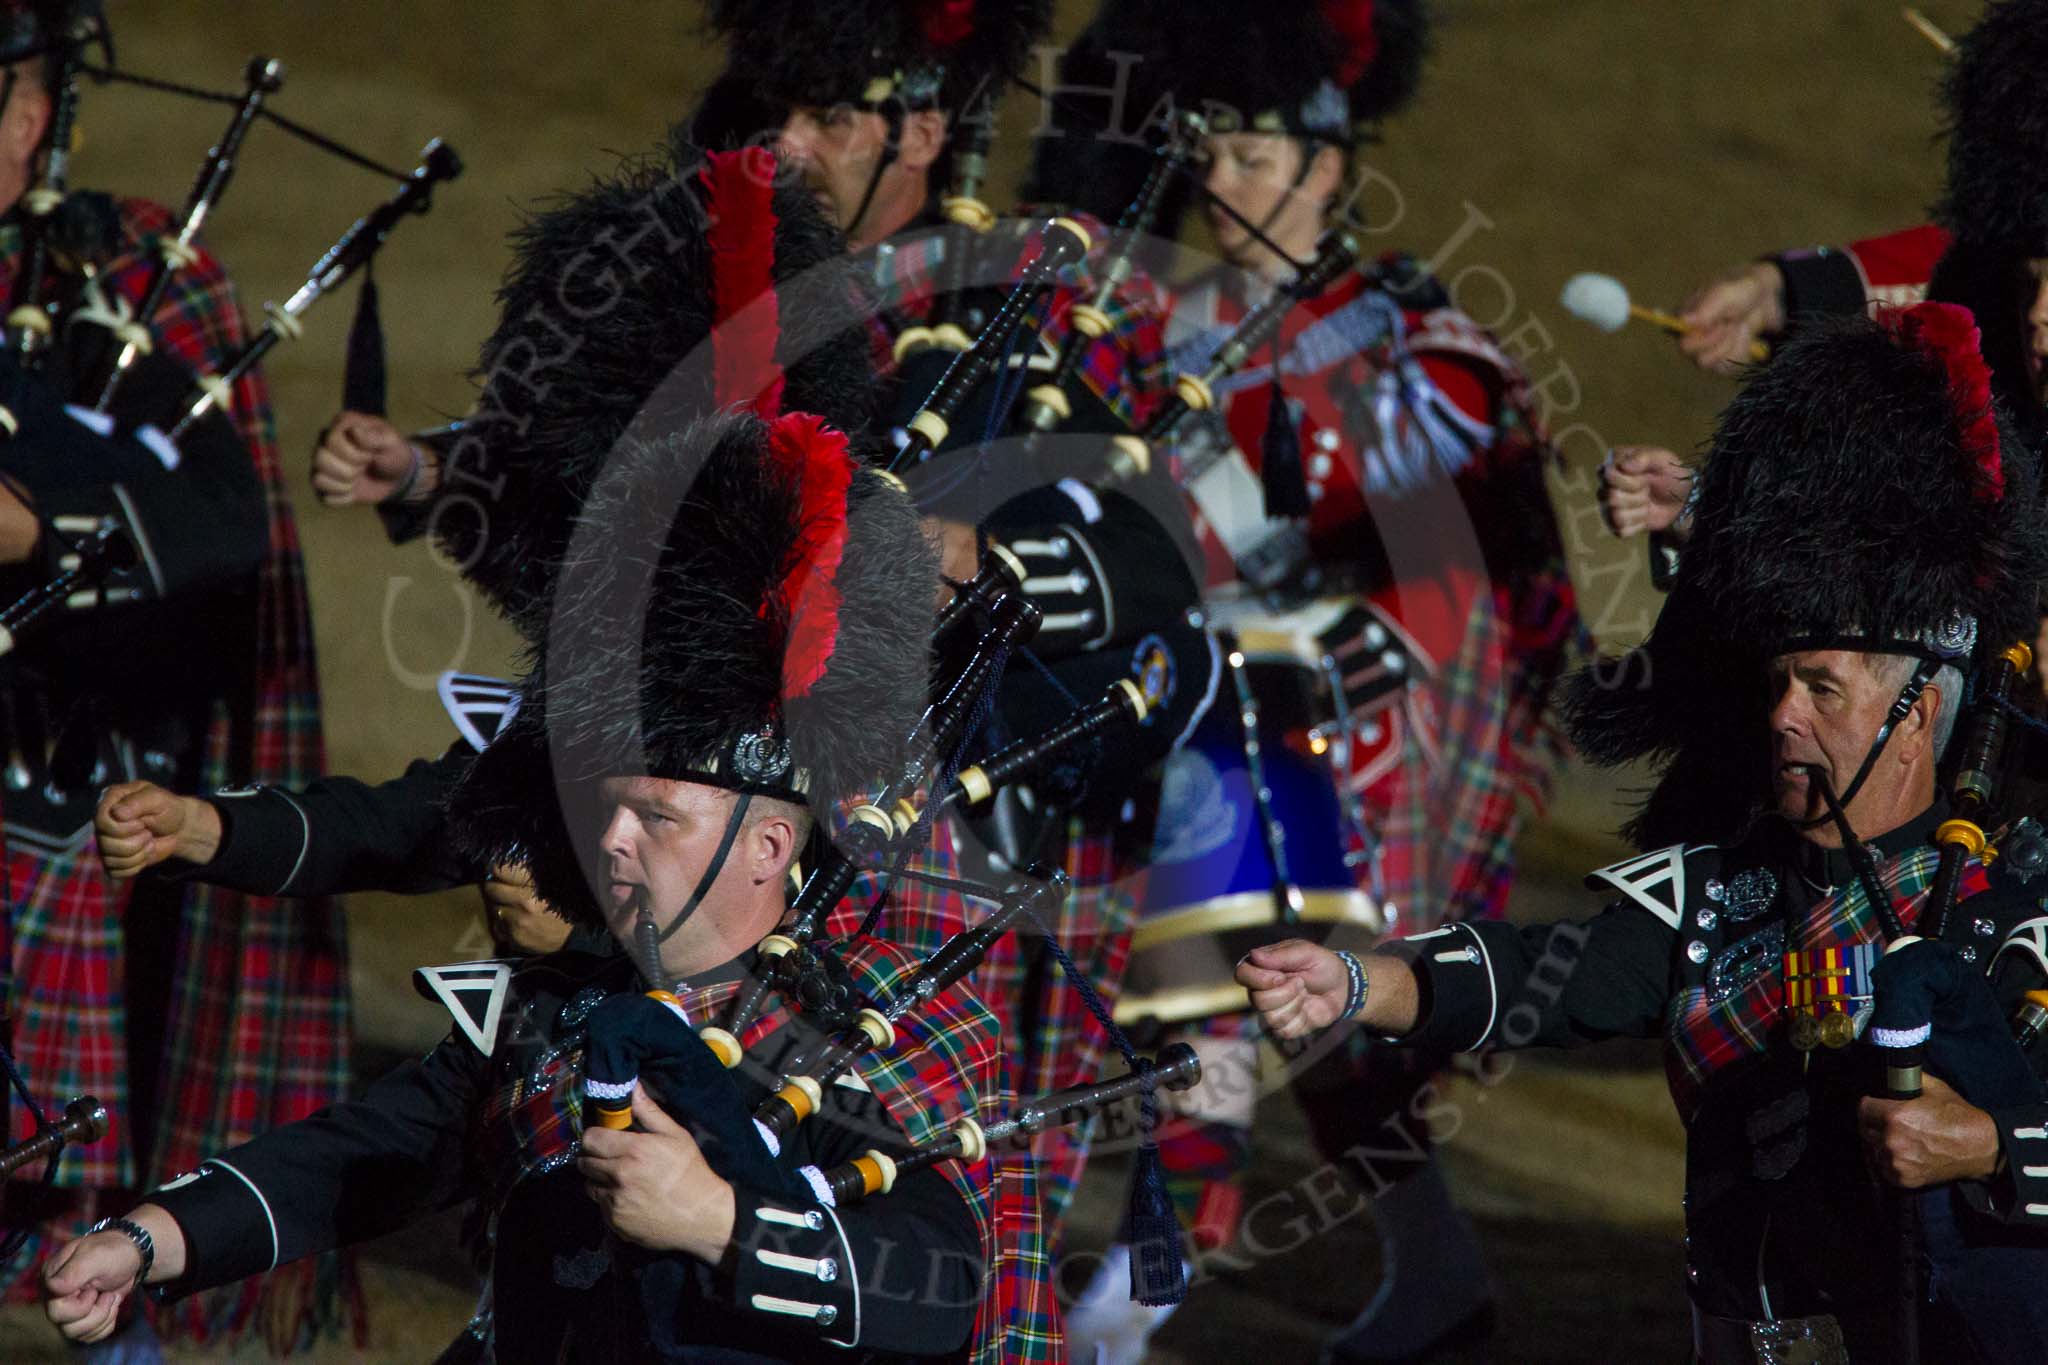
(1867, 537)
(741, 644)
(717, 321)
(884, 109)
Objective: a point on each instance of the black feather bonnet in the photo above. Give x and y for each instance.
(1861, 492)
(1330, 70)
(613, 316)
(1996, 105)
(904, 54)
(742, 605)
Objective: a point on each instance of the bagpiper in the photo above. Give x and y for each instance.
(740, 645)
(1867, 539)
(886, 109)
(193, 665)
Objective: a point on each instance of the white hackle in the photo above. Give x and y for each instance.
(1599, 299)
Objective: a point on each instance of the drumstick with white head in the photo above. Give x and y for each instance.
(1603, 301)
(1929, 30)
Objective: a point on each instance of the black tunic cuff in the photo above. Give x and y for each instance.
(405, 522)
(230, 1233)
(264, 838)
(1064, 578)
(1460, 995)
(2018, 1194)
(1822, 280)
(1097, 562)
(795, 1267)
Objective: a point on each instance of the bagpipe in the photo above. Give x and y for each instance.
(84, 1120)
(1059, 398)
(876, 1172)
(262, 78)
(350, 252)
(80, 580)
(878, 834)
(59, 302)
(1048, 405)
(1974, 788)
(1064, 243)
(1129, 457)
(968, 217)
(1932, 1008)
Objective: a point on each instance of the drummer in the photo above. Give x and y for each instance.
(1390, 490)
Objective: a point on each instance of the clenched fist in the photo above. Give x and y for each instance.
(86, 1282)
(1296, 986)
(1299, 987)
(364, 459)
(517, 918)
(139, 824)
(1643, 489)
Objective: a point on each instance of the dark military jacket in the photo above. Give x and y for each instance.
(1782, 1217)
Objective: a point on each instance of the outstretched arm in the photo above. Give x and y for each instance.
(334, 835)
(1298, 987)
(1489, 984)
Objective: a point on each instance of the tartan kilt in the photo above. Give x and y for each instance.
(1056, 1041)
(1021, 1272)
(1447, 815)
(70, 1030)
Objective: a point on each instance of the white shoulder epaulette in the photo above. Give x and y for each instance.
(473, 992)
(479, 706)
(1655, 881)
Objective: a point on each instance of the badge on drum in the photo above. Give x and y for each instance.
(1827, 994)
(1152, 668)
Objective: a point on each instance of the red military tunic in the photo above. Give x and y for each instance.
(1892, 269)
(1424, 471)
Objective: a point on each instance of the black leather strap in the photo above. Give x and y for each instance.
(717, 864)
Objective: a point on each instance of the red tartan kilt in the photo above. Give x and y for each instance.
(69, 1025)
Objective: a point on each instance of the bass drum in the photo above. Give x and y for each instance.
(1253, 833)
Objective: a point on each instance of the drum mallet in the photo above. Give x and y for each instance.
(1603, 301)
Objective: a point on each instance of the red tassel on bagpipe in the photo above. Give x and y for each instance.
(746, 326)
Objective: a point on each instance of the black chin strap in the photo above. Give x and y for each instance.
(1853, 848)
(894, 118)
(716, 865)
(648, 938)
(1908, 697)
